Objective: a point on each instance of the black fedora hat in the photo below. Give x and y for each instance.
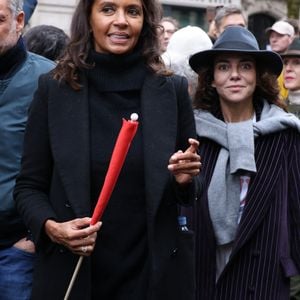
(293, 49)
(237, 39)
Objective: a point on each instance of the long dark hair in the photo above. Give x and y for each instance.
(207, 98)
(81, 42)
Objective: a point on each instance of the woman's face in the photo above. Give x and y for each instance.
(116, 25)
(291, 73)
(234, 78)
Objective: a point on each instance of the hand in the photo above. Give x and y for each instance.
(25, 245)
(77, 235)
(185, 165)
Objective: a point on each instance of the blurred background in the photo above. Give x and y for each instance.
(260, 13)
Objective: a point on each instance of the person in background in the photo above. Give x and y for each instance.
(183, 43)
(168, 26)
(291, 75)
(280, 35)
(28, 8)
(212, 31)
(229, 15)
(111, 68)
(291, 78)
(46, 40)
(19, 73)
(248, 206)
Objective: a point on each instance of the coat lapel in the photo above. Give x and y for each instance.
(269, 153)
(69, 132)
(159, 125)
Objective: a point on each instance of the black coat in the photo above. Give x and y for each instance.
(55, 178)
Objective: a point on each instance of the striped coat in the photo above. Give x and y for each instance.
(266, 250)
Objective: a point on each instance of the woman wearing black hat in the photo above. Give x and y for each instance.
(248, 212)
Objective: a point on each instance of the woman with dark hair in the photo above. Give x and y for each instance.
(248, 208)
(111, 68)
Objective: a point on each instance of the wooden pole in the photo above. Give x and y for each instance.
(76, 271)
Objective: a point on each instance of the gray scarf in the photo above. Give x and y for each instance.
(236, 156)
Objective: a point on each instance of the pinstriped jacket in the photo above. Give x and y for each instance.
(266, 250)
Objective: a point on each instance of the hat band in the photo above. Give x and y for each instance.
(235, 45)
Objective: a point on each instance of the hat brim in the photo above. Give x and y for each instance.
(291, 53)
(269, 60)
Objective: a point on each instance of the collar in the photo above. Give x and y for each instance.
(113, 72)
(12, 59)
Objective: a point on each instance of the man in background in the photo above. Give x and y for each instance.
(169, 27)
(19, 72)
(230, 15)
(281, 35)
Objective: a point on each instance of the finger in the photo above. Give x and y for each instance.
(186, 167)
(174, 157)
(191, 173)
(80, 223)
(187, 156)
(194, 145)
(82, 250)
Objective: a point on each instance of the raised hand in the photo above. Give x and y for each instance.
(185, 165)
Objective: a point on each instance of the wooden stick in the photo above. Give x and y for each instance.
(75, 273)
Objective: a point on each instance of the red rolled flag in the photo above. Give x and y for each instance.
(126, 135)
(119, 153)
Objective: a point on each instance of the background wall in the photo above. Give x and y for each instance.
(54, 12)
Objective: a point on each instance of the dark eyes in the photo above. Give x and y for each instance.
(243, 66)
(247, 66)
(291, 61)
(108, 9)
(222, 67)
(132, 11)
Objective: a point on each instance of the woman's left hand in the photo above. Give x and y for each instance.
(185, 165)
(77, 235)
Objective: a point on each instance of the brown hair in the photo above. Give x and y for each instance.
(207, 98)
(81, 42)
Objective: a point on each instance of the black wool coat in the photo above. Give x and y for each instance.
(54, 182)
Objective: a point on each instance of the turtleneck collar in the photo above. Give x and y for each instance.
(12, 59)
(294, 97)
(113, 72)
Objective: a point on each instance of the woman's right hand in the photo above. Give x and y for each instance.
(185, 165)
(77, 235)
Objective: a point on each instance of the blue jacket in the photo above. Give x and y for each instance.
(14, 104)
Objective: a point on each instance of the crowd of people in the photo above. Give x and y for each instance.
(217, 145)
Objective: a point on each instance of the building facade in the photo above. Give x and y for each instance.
(260, 13)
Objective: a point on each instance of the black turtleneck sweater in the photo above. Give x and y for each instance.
(119, 261)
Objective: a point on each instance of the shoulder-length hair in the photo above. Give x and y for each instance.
(81, 42)
(207, 98)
